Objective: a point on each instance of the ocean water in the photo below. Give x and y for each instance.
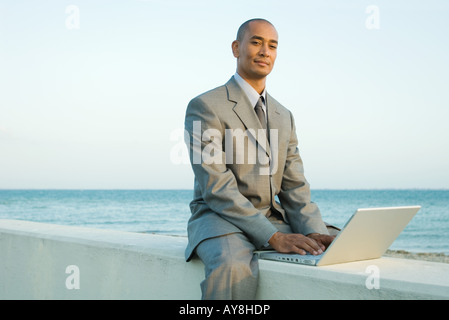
(167, 211)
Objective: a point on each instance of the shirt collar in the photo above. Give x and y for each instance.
(250, 92)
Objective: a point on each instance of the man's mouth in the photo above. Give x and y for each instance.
(261, 63)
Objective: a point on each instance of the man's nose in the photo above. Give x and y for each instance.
(264, 51)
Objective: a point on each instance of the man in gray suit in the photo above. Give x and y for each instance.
(250, 191)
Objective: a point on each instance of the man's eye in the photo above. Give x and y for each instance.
(255, 43)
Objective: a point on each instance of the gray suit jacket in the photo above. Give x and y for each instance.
(231, 195)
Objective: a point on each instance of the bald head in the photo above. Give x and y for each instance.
(244, 27)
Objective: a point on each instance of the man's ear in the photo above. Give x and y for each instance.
(235, 48)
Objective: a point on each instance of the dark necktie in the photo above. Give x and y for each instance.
(260, 113)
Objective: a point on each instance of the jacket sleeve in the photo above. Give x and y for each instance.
(217, 182)
(304, 216)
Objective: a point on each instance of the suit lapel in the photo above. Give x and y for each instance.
(274, 125)
(274, 119)
(246, 113)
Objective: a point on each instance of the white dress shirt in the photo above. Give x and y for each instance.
(251, 93)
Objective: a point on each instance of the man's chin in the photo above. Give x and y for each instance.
(260, 74)
(256, 74)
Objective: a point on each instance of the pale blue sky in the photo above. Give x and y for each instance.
(101, 106)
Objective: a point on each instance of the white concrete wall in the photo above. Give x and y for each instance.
(34, 258)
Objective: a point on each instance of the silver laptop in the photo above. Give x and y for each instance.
(367, 235)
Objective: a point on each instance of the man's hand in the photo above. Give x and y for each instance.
(322, 239)
(298, 243)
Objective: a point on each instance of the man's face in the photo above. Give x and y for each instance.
(257, 51)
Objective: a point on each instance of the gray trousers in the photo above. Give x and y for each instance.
(231, 267)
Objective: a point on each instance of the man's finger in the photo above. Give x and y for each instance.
(299, 251)
(321, 244)
(313, 245)
(310, 246)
